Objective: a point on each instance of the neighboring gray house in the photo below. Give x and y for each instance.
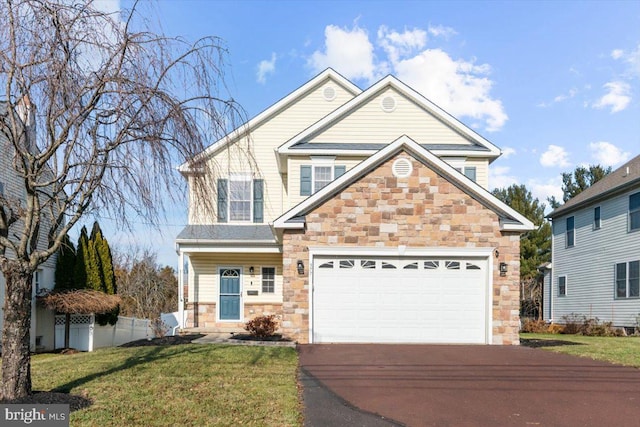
(12, 192)
(595, 267)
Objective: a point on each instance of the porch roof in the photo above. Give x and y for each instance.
(226, 233)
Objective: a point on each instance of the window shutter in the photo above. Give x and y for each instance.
(305, 180)
(470, 172)
(338, 171)
(258, 200)
(223, 185)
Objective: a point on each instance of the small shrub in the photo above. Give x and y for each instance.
(158, 327)
(534, 326)
(588, 326)
(554, 328)
(262, 326)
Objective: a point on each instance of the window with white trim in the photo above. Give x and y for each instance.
(634, 212)
(322, 176)
(268, 280)
(240, 197)
(597, 220)
(562, 286)
(627, 279)
(37, 278)
(570, 233)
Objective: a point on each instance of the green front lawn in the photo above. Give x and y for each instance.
(619, 350)
(177, 385)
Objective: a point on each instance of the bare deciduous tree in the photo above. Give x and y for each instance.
(94, 114)
(146, 289)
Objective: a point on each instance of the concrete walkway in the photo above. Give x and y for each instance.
(225, 338)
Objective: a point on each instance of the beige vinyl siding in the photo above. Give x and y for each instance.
(370, 124)
(256, 154)
(589, 264)
(204, 276)
(294, 175)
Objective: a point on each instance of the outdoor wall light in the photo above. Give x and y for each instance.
(503, 268)
(251, 270)
(300, 267)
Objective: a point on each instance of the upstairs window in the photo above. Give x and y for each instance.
(240, 199)
(470, 172)
(314, 178)
(570, 232)
(634, 212)
(322, 176)
(596, 218)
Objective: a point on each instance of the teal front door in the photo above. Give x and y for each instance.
(230, 294)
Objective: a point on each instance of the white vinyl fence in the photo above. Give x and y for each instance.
(86, 335)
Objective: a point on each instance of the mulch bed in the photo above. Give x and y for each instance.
(248, 337)
(538, 343)
(173, 340)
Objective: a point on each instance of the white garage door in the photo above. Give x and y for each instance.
(400, 300)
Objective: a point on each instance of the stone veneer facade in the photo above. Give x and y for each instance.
(206, 314)
(423, 210)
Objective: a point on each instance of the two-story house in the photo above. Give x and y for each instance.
(12, 193)
(595, 266)
(354, 216)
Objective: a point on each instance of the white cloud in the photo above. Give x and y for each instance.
(555, 156)
(441, 31)
(543, 190)
(398, 45)
(348, 51)
(607, 154)
(459, 87)
(563, 97)
(508, 152)
(500, 177)
(617, 53)
(617, 96)
(266, 67)
(633, 59)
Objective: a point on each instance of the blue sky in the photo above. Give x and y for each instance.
(553, 84)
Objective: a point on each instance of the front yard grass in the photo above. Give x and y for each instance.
(177, 385)
(618, 350)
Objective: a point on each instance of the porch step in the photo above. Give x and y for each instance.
(214, 330)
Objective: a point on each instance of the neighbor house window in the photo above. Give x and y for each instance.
(570, 232)
(562, 286)
(268, 280)
(37, 277)
(628, 279)
(240, 198)
(634, 212)
(596, 218)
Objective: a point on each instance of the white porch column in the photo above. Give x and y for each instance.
(181, 320)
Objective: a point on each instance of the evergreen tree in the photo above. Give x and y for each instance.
(104, 260)
(578, 181)
(65, 265)
(535, 245)
(82, 258)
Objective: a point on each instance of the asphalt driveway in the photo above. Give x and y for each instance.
(460, 385)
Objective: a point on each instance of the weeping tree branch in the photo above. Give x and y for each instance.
(95, 112)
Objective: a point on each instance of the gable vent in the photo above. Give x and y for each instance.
(402, 168)
(329, 93)
(388, 104)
